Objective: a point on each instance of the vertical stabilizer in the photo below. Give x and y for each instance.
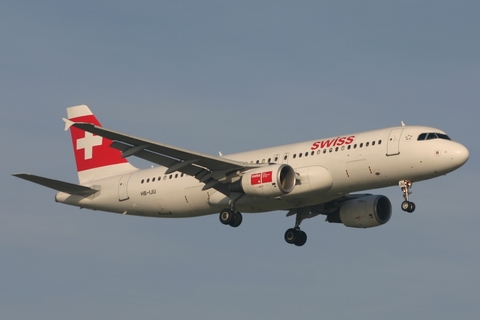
(94, 157)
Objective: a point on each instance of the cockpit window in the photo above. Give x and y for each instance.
(443, 136)
(432, 135)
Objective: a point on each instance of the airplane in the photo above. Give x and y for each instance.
(307, 179)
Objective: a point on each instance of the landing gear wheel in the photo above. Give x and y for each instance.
(226, 216)
(412, 207)
(408, 206)
(302, 238)
(290, 235)
(237, 220)
(296, 237)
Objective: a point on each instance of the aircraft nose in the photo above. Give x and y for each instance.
(460, 154)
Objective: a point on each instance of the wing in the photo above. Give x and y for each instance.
(215, 172)
(66, 187)
(326, 208)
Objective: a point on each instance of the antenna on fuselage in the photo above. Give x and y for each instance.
(403, 124)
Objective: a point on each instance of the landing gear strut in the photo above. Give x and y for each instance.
(406, 185)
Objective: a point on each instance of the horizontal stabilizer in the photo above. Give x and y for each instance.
(57, 185)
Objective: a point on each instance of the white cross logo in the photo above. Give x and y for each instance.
(88, 143)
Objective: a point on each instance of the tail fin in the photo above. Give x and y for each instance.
(94, 157)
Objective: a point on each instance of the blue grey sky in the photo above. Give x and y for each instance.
(232, 76)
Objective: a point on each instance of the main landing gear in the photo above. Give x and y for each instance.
(295, 235)
(230, 217)
(406, 185)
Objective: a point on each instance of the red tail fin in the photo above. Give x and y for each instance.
(94, 157)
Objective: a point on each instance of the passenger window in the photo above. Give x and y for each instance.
(306, 154)
(153, 179)
(366, 144)
(313, 152)
(142, 181)
(379, 142)
(373, 143)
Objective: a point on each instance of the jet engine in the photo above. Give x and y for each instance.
(363, 212)
(272, 181)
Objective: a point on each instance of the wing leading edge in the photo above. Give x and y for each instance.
(215, 172)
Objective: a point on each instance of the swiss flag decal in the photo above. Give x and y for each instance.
(92, 151)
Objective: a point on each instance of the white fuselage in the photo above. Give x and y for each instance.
(326, 169)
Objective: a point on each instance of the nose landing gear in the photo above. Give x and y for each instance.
(406, 185)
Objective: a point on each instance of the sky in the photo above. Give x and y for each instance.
(233, 76)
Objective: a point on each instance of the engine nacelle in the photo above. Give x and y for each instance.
(272, 181)
(364, 212)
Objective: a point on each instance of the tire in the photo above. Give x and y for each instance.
(405, 206)
(237, 220)
(291, 236)
(301, 238)
(226, 216)
(411, 207)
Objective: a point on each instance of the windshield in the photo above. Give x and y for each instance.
(433, 135)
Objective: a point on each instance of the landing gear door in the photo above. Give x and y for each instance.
(393, 143)
(123, 187)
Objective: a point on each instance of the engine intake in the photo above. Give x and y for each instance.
(272, 181)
